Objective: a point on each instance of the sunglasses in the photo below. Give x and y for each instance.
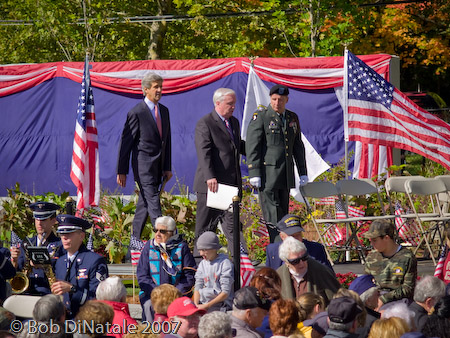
(162, 231)
(298, 259)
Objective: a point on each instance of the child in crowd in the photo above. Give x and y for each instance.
(214, 277)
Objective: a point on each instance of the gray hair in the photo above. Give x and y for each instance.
(400, 310)
(148, 79)
(220, 94)
(215, 324)
(168, 221)
(290, 246)
(49, 307)
(368, 293)
(111, 289)
(340, 326)
(429, 287)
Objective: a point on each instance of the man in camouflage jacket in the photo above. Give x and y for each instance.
(394, 266)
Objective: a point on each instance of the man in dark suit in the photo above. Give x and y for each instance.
(218, 144)
(146, 136)
(290, 225)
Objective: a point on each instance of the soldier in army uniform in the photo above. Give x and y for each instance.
(273, 144)
(394, 266)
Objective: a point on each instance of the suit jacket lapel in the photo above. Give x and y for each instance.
(221, 125)
(151, 117)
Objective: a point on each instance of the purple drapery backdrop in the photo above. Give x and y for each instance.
(36, 133)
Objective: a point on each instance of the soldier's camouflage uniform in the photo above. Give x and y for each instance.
(397, 274)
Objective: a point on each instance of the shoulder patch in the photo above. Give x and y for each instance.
(261, 107)
(255, 116)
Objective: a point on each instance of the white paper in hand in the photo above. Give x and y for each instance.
(223, 198)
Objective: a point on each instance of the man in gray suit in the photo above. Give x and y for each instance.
(218, 145)
(146, 138)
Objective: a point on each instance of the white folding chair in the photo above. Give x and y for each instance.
(319, 190)
(430, 189)
(444, 197)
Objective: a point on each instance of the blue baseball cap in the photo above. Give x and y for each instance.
(290, 224)
(43, 210)
(362, 283)
(70, 223)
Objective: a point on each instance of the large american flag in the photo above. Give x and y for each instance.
(247, 268)
(85, 167)
(380, 114)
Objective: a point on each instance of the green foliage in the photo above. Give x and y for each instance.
(18, 217)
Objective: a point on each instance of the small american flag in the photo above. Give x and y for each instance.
(136, 246)
(247, 268)
(334, 234)
(438, 272)
(261, 231)
(15, 240)
(340, 212)
(406, 231)
(326, 201)
(85, 167)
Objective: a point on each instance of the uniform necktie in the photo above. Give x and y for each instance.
(227, 124)
(158, 120)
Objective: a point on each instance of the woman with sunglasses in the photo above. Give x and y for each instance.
(165, 259)
(301, 273)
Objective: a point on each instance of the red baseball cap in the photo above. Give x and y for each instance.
(183, 306)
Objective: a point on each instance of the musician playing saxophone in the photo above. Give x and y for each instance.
(44, 214)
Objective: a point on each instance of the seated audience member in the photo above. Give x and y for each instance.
(310, 305)
(361, 317)
(214, 277)
(216, 324)
(393, 327)
(438, 323)
(111, 291)
(303, 274)
(165, 259)
(47, 310)
(290, 225)
(342, 314)
(428, 291)
(162, 296)
(399, 310)
(249, 309)
(98, 315)
(268, 283)
(183, 310)
(368, 292)
(284, 318)
(393, 266)
(79, 271)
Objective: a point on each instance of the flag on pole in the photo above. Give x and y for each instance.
(135, 247)
(85, 164)
(247, 268)
(334, 234)
(438, 272)
(261, 231)
(378, 113)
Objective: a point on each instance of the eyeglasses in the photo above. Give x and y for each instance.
(162, 231)
(298, 259)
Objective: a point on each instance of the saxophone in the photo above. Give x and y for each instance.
(20, 282)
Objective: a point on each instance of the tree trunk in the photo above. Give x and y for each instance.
(158, 31)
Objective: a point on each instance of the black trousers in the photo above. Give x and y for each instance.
(274, 205)
(148, 204)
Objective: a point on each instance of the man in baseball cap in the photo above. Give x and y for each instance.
(184, 311)
(290, 225)
(249, 309)
(342, 314)
(393, 266)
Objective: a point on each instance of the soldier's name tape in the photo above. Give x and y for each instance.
(91, 328)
